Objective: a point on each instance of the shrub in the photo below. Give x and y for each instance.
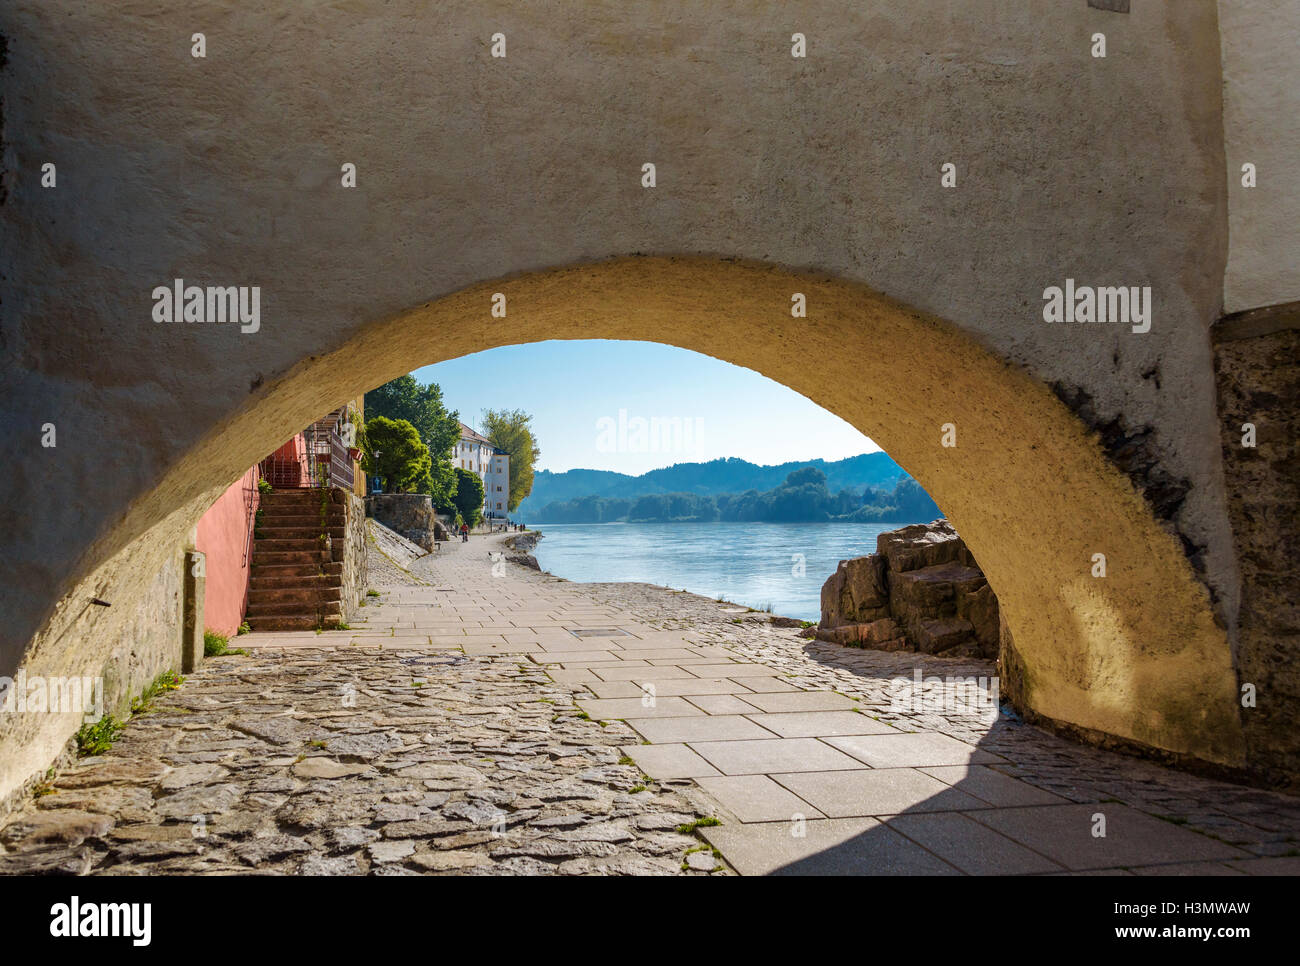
(167, 681)
(218, 645)
(98, 737)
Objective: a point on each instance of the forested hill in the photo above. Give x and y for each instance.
(712, 478)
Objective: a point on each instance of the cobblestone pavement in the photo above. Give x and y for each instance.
(482, 718)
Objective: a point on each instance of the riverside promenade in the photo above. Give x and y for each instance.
(484, 718)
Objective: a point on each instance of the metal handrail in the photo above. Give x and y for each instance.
(322, 461)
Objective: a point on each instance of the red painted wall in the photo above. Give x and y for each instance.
(225, 535)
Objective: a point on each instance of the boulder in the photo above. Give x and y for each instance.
(931, 592)
(875, 634)
(936, 635)
(922, 590)
(921, 545)
(856, 593)
(980, 607)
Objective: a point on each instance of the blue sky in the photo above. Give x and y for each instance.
(716, 409)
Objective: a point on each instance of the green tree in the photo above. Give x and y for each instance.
(423, 407)
(468, 498)
(511, 431)
(393, 451)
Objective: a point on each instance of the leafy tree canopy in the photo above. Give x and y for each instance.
(393, 451)
(511, 430)
(468, 497)
(423, 407)
(802, 497)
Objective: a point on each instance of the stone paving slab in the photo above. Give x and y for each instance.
(1188, 868)
(911, 750)
(763, 685)
(700, 728)
(611, 709)
(669, 655)
(971, 847)
(875, 791)
(671, 687)
(860, 846)
(820, 724)
(722, 703)
(992, 786)
(559, 645)
(737, 670)
(801, 701)
(1287, 865)
(757, 798)
(1066, 834)
(647, 673)
(577, 675)
(772, 755)
(577, 658)
(501, 648)
(666, 762)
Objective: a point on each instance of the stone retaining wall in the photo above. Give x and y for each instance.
(356, 580)
(409, 514)
(1259, 383)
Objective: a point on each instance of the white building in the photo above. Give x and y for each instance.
(475, 452)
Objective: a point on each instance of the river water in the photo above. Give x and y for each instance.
(780, 566)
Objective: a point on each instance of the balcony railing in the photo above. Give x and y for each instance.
(318, 457)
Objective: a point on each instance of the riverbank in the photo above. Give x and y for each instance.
(773, 567)
(498, 720)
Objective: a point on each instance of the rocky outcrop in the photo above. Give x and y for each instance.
(920, 591)
(410, 515)
(525, 541)
(520, 546)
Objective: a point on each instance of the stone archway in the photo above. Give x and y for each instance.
(1136, 654)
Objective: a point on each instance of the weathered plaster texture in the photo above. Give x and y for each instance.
(1261, 78)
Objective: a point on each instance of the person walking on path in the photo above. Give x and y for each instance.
(464, 533)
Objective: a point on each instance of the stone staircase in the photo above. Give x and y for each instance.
(297, 579)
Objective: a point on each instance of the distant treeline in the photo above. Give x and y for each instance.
(802, 498)
(716, 477)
